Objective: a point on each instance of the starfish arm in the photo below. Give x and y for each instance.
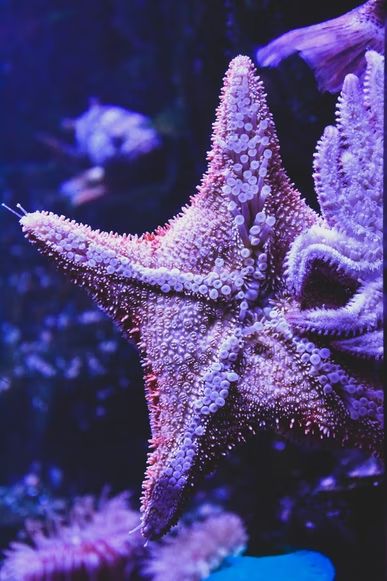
(77, 248)
(245, 191)
(188, 375)
(362, 314)
(303, 391)
(284, 397)
(350, 200)
(294, 387)
(343, 253)
(98, 260)
(102, 263)
(366, 346)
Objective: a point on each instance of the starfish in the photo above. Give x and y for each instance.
(206, 299)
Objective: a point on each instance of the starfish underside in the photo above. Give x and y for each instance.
(207, 299)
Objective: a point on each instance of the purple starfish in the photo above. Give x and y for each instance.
(211, 298)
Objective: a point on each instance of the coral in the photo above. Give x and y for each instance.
(102, 541)
(192, 552)
(211, 300)
(104, 133)
(91, 543)
(334, 48)
(109, 138)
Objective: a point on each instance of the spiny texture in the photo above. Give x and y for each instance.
(335, 267)
(92, 544)
(347, 244)
(205, 298)
(194, 551)
(333, 48)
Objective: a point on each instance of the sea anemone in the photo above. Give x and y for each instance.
(192, 552)
(91, 542)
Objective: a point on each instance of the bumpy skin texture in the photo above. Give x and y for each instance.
(206, 298)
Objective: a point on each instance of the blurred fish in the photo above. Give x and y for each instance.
(333, 48)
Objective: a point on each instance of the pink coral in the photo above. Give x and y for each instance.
(91, 543)
(194, 551)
